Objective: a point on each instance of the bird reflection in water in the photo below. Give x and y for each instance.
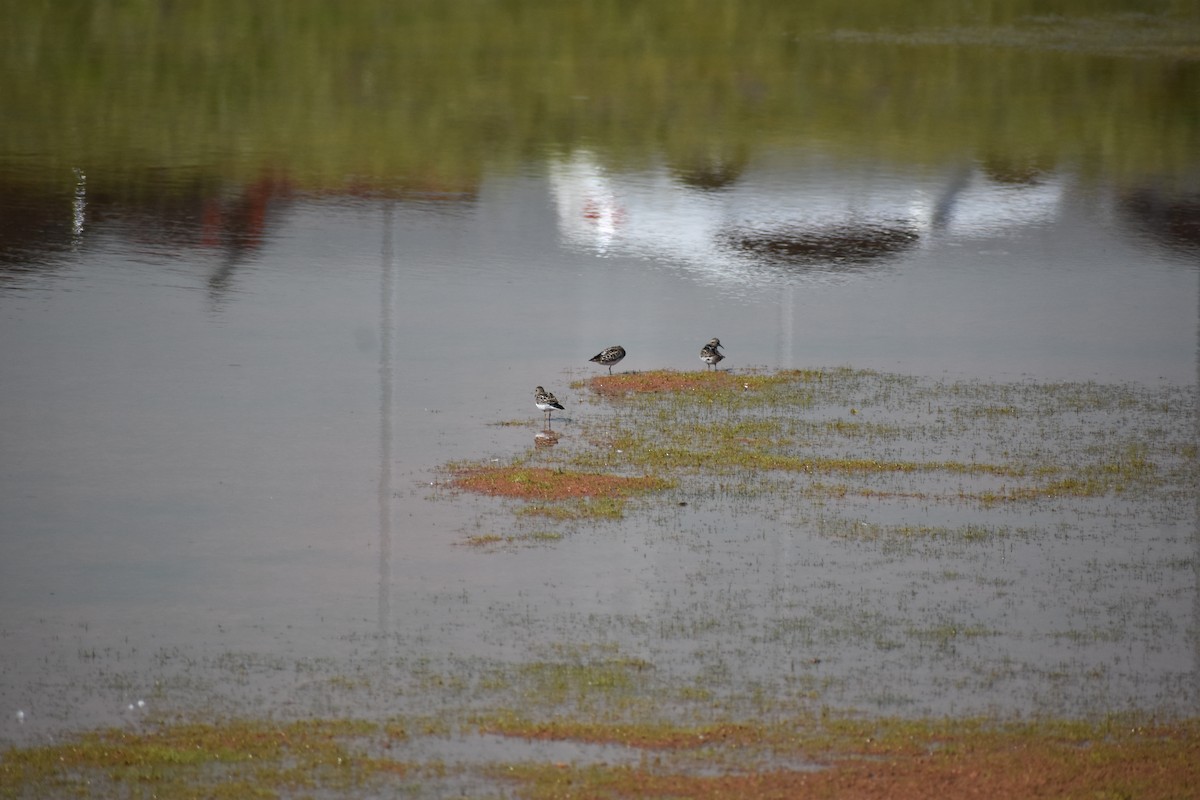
(545, 438)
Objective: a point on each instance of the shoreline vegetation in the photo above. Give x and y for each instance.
(379, 98)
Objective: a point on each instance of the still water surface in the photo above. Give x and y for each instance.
(224, 409)
(194, 433)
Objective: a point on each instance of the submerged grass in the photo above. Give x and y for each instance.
(842, 434)
(238, 758)
(811, 755)
(706, 386)
(640, 735)
(862, 425)
(834, 446)
(543, 484)
(495, 539)
(558, 494)
(995, 766)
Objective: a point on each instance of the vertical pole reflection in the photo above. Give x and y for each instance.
(1196, 533)
(787, 327)
(386, 378)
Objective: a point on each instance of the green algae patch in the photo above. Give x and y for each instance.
(546, 484)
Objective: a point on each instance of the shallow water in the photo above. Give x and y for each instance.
(225, 403)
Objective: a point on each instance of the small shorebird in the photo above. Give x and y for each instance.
(546, 401)
(709, 353)
(609, 356)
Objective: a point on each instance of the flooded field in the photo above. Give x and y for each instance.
(758, 572)
(279, 509)
(901, 543)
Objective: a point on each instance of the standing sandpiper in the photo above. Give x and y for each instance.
(609, 356)
(546, 401)
(709, 353)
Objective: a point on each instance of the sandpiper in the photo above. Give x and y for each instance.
(609, 356)
(709, 353)
(546, 401)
